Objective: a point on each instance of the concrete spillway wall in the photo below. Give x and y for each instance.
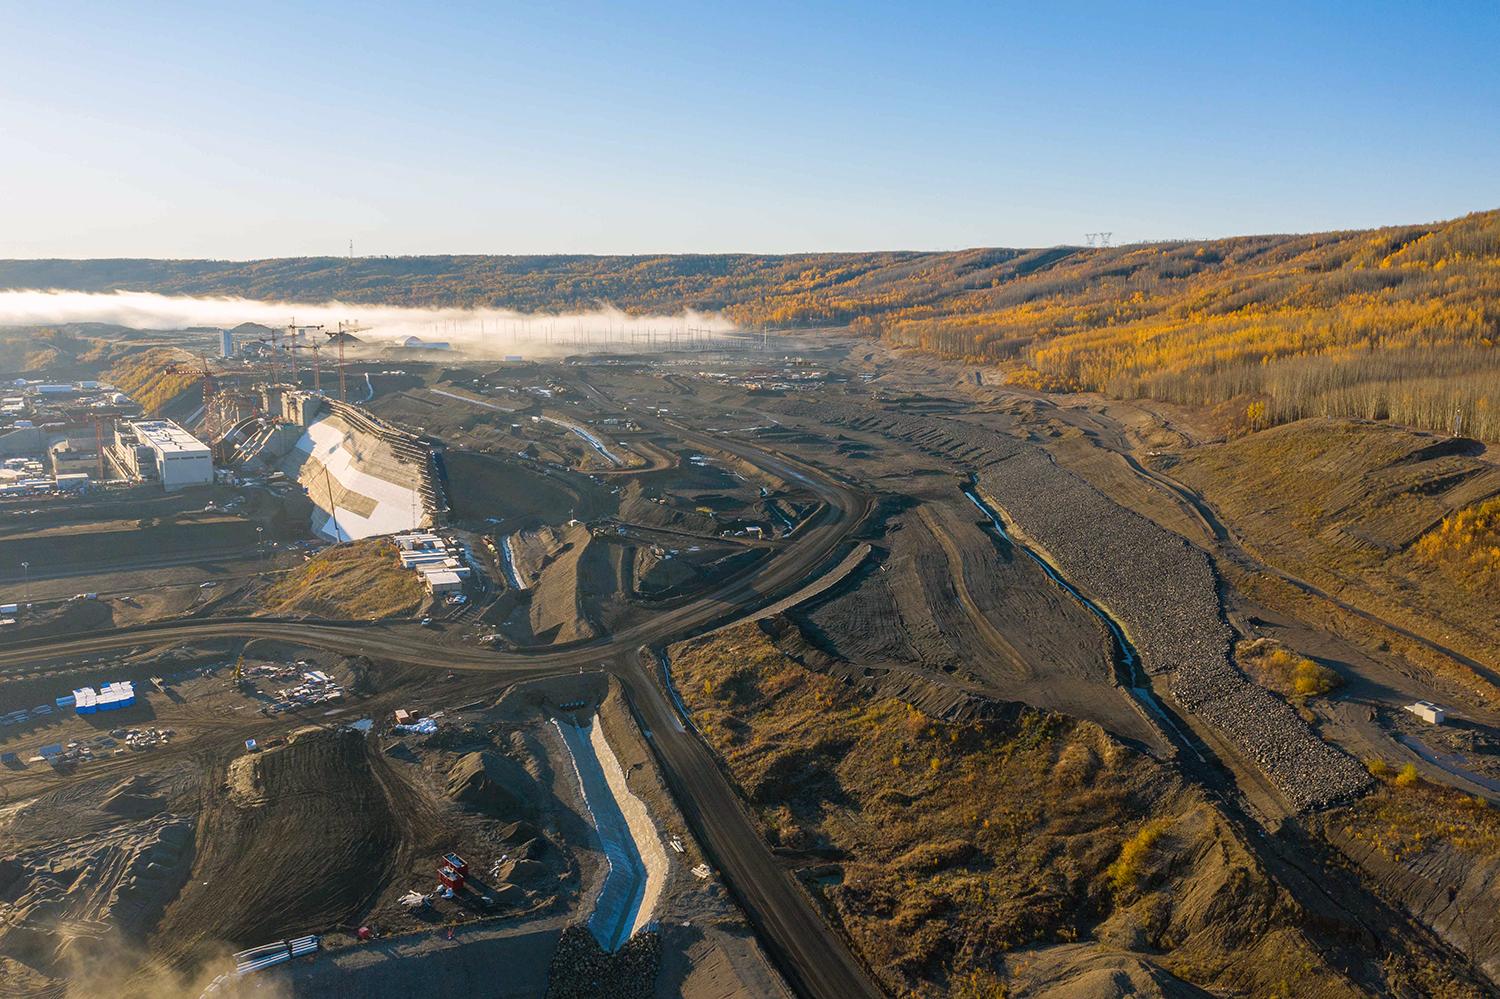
(424, 454)
(359, 486)
(364, 476)
(629, 838)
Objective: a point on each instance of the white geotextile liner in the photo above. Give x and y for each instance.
(630, 840)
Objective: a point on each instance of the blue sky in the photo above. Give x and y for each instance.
(269, 129)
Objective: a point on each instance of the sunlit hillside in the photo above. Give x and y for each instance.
(1399, 323)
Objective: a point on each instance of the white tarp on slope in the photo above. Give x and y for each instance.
(397, 507)
(628, 836)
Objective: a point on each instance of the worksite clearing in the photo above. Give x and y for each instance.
(796, 666)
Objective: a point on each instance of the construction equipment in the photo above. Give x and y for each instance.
(270, 342)
(294, 335)
(210, 386)
(345, 331)
(316, 348)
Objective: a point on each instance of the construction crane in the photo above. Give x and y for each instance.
(209, 388)
(294, 335)
(270, 341)
(316, 348)
(345, 331)
(209, 385)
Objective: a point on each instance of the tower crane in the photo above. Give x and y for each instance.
(294, 334)
(345, 331)
(210, 386)
(270, 341)
(317, 349)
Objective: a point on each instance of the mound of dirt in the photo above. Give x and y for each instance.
(71, 906)
(492, 783)
(571, 573)
(520, 872)
(520, 831)
(532, 849)
(661, 575)
(1087, 971)
(70, 618)
(638, 508)
(134, 798)
(303, 840)
(362, 580)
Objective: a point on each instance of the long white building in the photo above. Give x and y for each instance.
(161, 450)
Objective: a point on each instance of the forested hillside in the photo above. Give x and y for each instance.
(1399, 323)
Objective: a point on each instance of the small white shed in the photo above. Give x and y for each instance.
(1428, 712)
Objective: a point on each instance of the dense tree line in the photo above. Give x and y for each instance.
(1402, 322)
(154, 378)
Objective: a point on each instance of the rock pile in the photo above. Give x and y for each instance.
(1160, 589)
(582, 970)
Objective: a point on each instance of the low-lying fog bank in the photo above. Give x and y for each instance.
(498, 331)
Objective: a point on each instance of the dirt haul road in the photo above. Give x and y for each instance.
(812, 956)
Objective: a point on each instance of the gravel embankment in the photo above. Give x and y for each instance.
(1161, 590)
(581, 970)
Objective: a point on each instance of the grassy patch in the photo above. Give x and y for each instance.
(963, 840)
(1277, 667)
(1466, 546)
(1126, 870)
(1407, 817)
(361, 580)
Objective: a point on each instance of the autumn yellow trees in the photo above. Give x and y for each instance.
(1401, 323)
(154, 377)
(1466, 545)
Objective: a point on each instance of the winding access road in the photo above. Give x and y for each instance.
(813, 957)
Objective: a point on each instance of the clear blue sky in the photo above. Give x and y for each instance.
(264, 129)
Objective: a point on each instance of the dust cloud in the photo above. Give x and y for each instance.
(111, 968)
(497, 331)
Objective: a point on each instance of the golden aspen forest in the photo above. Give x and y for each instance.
(154, 377)
(1467, 545)
(1400, 323)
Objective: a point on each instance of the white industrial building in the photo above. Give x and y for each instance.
(163, 451)
(443, 581)
(440, 563)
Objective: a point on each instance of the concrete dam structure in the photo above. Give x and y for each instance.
(365, 478)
